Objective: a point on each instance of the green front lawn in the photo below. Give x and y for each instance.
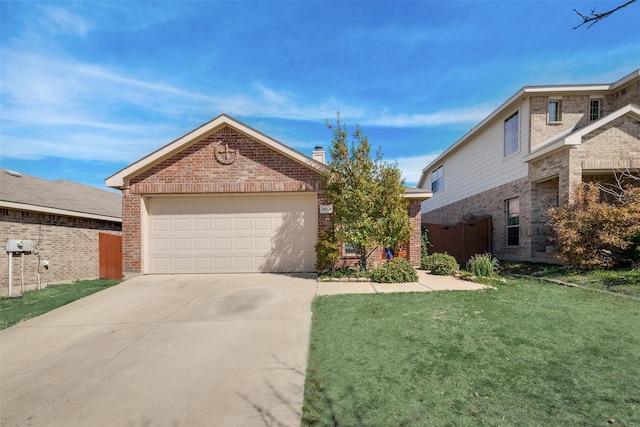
(35, 303)
(528, 353)
(622, 281)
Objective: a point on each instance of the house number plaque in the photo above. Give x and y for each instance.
(326, 209)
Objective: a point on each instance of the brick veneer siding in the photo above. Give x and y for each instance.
(629, 94)
(413, 248)
(70, 244)
(195, 170)
(492, 203)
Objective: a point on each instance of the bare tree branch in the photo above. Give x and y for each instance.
(625, 188)
(594, 17)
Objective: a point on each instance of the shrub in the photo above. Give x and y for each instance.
(591, 233)
(483, 265)
(440, 264)
(395, 270)
(327, 251)
(424, 243)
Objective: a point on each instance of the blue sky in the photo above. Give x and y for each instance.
(88, 88)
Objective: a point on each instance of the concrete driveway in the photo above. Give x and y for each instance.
(197, 350)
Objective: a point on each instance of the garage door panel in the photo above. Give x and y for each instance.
(202, 244)
(202, 224)
(158, 245)
(182, 245)
(202, 264)
(232, 233)
(242, 243)
(221, 243)
(181, 264)
(221, 263)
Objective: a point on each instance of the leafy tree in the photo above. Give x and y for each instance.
(593, 233)
(366, 193)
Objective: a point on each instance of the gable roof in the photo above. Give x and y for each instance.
(573, 137)
(121, 179)
(517, 97)
(61, 197)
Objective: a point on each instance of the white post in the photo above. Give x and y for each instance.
(10, 272)
(22, 274)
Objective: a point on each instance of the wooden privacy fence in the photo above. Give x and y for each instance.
(110, 254)
(461, 240)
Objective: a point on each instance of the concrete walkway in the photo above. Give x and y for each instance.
(183, 350)
(426, 283)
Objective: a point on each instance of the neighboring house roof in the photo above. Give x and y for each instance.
(573, 137)
(60, 197)
(121, 179)
(517, 97)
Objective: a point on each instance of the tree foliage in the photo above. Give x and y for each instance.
(592, 232)
(367, 195)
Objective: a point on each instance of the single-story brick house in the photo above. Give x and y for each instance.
(227, 198)
(64, 219)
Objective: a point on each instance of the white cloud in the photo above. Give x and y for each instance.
(59, 20)
(411, 167)
(73, 102)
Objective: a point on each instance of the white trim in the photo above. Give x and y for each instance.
(120, 179)
(55, 211)
(520, 96)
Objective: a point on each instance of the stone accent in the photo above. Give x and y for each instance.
(70, 244)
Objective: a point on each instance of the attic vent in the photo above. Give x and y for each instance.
(13, 173)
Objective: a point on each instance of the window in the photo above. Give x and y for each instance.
(511, 140)
(349, 249)
(437, 180)
(553, 111)
(594, 110)
(512, 207)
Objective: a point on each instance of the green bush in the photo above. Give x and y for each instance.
(440, 264)
(395, 270)
(424, 243)
(327, 251)
(483, 265)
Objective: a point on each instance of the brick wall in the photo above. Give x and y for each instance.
(575, 112)
(70, 245)
(629, 94)
(413, 249)
(195, 170)
(613, 146)
(492, 203)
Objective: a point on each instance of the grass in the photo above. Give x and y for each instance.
(35, 303)
(527, 353)
(623, 281)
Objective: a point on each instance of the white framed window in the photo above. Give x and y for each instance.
(512, 209)
(349, 250)
(554, 111)
(595, 109)
(437, 180)
(511, 134)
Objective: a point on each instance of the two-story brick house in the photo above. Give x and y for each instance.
(529, 154)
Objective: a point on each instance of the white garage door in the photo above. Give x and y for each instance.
(230, 234)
